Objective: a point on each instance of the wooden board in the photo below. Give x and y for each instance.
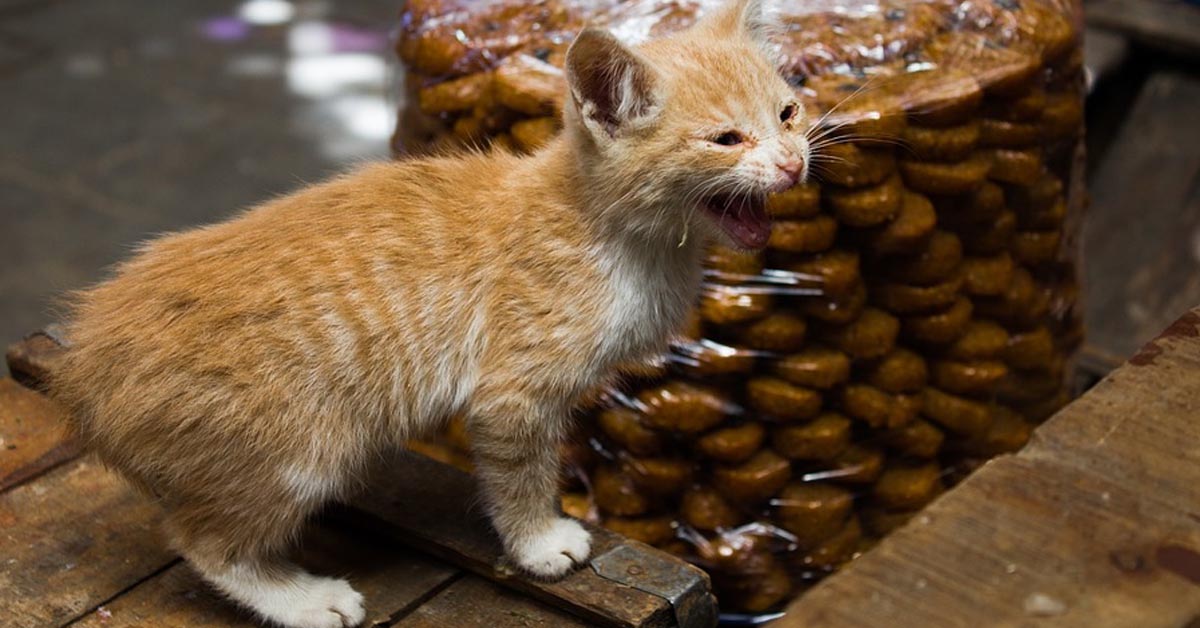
(70, 541)
(1095, 523)
(392, 579)
(1140, 240)
(32, 359)
(473, 602)
(447, 526)
(1173, 25)
(32, 434)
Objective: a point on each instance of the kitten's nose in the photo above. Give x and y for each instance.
(793, 168)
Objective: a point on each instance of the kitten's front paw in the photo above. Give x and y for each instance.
(320, 603)
(554, 552)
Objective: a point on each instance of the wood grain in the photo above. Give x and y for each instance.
(33, 435)
(476, 603)
(392, 579)
(71, 540)
(1169, 24)
(1095, 523)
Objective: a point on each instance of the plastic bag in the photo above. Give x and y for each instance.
(914, 314)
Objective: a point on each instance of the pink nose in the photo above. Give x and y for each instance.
(794, 169)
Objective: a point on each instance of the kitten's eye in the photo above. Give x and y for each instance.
(728, 138)
(788, 113)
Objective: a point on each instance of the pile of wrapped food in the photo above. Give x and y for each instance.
(914, 314)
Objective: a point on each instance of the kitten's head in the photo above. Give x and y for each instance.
(694, 129)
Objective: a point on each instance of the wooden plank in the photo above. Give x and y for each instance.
(393, 580)
(1096, 523)
(71, 540)
(32, 359)
(1167, 24)
(33, 436)
(445, 525)
(1140, 239)
(473, 602)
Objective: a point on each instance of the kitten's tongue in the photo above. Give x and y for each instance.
(745, 220)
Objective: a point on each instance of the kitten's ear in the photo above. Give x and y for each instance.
(745, 16)
(612, 86)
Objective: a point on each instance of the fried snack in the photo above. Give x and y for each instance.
(454, 95)
(906, 299)
(682, 407)
(1046, 191)
(953, 143)
(813, 511)
(1063, 116)
(1001, 70)
(871, 336)
(815, 367)
(823, 438)
(877, 408)
(1008, 433)
(900, 371)
(757, 583)
(624, 426)
(987, 276)
(841, 310)
(755, 480)
(529, 85)
(905, 487)
(1036, 247)
(616, 493)
(703, 508)
(659, 476)
(648, 530)
(1016, 166)
(779, 331)
(968, 378)
(1031, 349)
(706, 358)
(857, 464)
(959, 415)
(578, 505)
(916, 439)
(1047, 219)
(724, 305)
(732, 444)
(909, 231)
(836, 270)
(811, 235)
(882, 522)
(835, 550)
(529, 135)
(969, 210)
(781, 400)
(1039, 411)
(730, 265)
(851, 166)
(799, 201)
(940, 327)
(990, 238)
(1023, 303)
(980, 340)
(1025, 107)
(933, 264)
(960, 177)
(866, 207)
(1008, 134)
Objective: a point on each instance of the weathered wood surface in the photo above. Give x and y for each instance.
(71, 540)
(1140, 239)
(393, 580)
(1095, 523)
(1170, 24)
(473, 602)
(32, 434)
(32, 359)
(448, 525)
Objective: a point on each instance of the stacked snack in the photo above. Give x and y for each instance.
(913, 314)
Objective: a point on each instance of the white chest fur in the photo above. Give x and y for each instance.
(650, 290)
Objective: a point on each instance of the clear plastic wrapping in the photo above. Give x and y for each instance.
(914, 313)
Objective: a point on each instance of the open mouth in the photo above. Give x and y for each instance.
(744, 218)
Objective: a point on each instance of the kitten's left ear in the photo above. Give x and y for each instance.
(750, 17)
(612, 85)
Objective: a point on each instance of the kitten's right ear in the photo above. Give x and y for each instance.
(611, 85)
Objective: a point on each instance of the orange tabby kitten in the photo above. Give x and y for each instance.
(246, 372)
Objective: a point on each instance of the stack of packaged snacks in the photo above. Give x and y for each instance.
(913, 315)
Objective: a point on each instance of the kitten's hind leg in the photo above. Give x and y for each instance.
(284, 594)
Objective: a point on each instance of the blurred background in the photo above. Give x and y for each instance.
(127, 118)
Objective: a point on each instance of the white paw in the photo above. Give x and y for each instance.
(318, 603)
(555, 551)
